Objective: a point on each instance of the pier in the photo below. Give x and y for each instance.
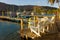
(33, 23)
(33, 29)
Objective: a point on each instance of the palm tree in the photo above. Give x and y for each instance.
(57, 1)
(52, 2)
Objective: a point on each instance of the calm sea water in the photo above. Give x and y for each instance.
(7, 28)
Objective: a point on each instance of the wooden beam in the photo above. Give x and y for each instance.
(21, 24)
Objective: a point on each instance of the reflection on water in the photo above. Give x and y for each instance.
(7, 27)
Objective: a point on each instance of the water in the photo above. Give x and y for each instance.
(7, 28)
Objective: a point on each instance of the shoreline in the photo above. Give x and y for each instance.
(8, 21)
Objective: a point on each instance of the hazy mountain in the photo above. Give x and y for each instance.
(10, 7)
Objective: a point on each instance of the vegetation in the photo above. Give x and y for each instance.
(39, 10)
(52, 1)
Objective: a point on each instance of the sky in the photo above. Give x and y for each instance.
(29, 2)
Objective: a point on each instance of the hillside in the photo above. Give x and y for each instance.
(9, 7)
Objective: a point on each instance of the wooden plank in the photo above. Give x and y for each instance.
(27, 33)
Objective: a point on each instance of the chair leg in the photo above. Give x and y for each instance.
(43, 31)
(31, 30)
(47, 28)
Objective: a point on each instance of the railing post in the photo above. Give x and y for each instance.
(21, 24)
(29, 22)
(34, 21)
(2, 13)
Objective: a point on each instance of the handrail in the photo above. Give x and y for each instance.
(37, 32)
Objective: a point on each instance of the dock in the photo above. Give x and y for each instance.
(26, 33)
(5, 17)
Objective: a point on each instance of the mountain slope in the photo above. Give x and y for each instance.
(9, 7)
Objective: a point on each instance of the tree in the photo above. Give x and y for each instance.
(37, 9)
(52, 2)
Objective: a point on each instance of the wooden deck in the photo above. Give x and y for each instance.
(27, 33)
(10, 18)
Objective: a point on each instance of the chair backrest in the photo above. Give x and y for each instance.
(52, 19)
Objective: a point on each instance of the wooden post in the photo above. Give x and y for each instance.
(34, 20)
(38, 25)
(26, 37)
(29, 22)
(7, 12)
(2, 13)
(21, 24)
